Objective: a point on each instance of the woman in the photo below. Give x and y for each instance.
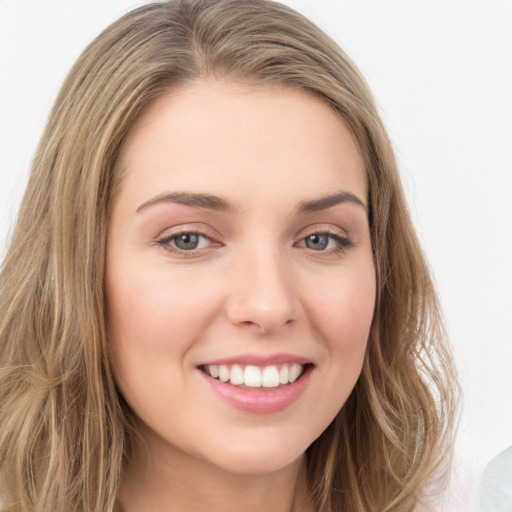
(214, 296)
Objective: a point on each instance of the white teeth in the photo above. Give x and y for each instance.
(283, 374)
(270, 377)
(237, 375)
(214, 370)
(223, 373)
(294, 372)
(255, 377)
(252, 376)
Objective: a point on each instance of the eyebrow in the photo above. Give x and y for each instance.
(195, 200)
(323, 203)
(216, 203)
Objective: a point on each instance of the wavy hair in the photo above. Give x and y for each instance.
(65, 431)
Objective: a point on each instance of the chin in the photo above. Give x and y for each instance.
(250, 462)
(268, 454)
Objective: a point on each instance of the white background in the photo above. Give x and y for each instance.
(442, 74)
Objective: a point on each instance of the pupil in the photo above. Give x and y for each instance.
(187, 242)
(317, 242)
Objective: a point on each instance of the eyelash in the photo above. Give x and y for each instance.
(166, 242)
(343, 243)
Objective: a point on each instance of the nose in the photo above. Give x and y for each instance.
(263, 292)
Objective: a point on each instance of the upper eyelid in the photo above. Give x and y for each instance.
(319, 228)
(193, 228)
(208, 232)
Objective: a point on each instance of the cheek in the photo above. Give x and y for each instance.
(341, 314)
(154, 318)
(151, 307)
(345, 307)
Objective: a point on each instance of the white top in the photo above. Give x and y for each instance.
(496, 484)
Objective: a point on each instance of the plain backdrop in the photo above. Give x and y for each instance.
(441, 72)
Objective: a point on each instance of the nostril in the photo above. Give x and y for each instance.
(263, 294)
(264, 318)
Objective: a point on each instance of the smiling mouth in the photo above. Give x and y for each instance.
(252, 377)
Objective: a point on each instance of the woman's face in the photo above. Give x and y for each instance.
(240, 279)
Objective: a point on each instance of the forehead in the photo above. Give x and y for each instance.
(210, 135)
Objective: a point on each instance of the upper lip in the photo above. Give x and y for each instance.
(259, 360)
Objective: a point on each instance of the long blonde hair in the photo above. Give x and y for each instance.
(64, 429)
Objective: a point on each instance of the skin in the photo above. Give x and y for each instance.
(254, 285)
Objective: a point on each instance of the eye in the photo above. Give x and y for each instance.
(186, 241)
(317, 242)
(326, 242)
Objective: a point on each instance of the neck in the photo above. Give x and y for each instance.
(168, 480)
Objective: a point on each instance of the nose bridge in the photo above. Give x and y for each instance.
(263, 289)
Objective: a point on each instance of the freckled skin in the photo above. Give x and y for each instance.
(252, 286)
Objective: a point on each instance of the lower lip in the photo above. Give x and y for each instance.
(259, 400)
